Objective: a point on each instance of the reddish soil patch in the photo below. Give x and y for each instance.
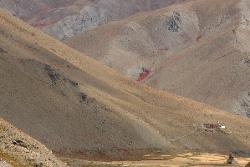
(144, 74)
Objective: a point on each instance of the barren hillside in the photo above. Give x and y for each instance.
(66, 18)
(197, 49)
(78, 107)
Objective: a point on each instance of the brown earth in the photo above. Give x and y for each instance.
(197, 49)
(78, 107)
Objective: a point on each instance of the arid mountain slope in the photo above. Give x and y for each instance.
(19, 150)
(76, 106)
(197, 49)
(65, 18)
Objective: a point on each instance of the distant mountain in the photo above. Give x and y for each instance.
(197, 49)
(66, 18)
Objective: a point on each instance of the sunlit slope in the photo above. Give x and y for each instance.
(77, 106)
(197, 49)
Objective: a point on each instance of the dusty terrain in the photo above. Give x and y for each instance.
(66, 18)
(197, 49)
(19, 150)
(156, 160)
(80, 108)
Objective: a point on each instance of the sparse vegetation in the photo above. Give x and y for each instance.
(53, 75)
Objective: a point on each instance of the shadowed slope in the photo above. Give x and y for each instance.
(76, 106)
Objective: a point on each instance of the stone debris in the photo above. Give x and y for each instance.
(18, 148)
(174, 22)
(20, 143)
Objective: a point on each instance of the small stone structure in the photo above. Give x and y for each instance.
(210, 127)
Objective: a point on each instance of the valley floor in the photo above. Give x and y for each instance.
(179, 160)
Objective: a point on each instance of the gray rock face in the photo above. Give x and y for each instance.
(87, 18)
(244, 104)
(174, 22)
(32, 9)
(100, 12)
(65, 18)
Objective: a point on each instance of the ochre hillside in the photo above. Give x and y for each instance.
(78, 107)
